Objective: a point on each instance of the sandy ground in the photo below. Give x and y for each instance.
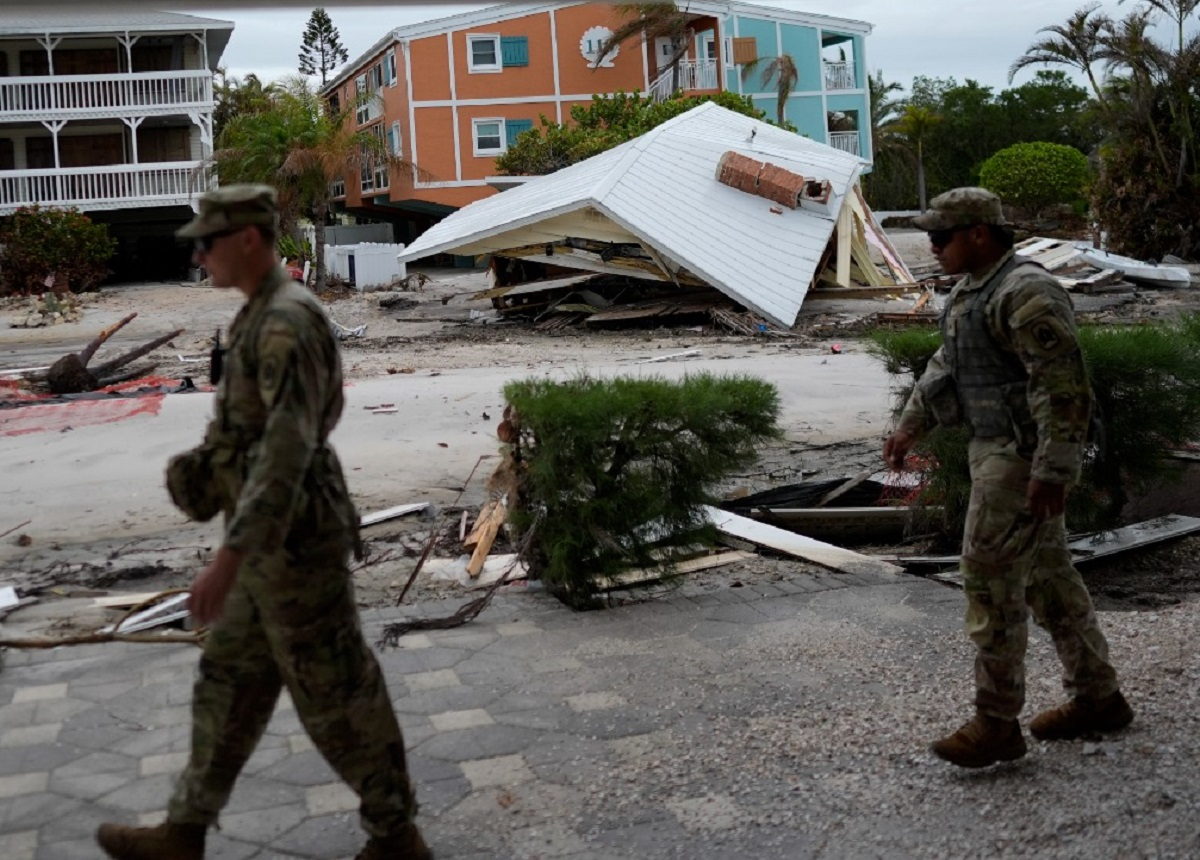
(89, 500)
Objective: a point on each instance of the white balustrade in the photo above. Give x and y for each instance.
(846, 141)
(690, 75)
(67, 96)
(108, 187)
(840, 76)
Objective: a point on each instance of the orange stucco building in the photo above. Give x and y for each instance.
(449, 95)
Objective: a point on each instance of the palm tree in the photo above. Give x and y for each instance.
(301, 147)
(235, 97)
(783, 71)
(1177, 10)
(652, 21)
(1151, 77)
(915, 124)
(1077, 44)
(885, 112)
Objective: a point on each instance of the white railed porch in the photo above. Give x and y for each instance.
(846, 141)
(114, 186)
(75, 96)
(691, 75)
(840, 76)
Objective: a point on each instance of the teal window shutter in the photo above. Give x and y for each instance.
(513, 128)
(514, 51)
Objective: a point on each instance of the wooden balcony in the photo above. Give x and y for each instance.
(64, 97)
(113, 186)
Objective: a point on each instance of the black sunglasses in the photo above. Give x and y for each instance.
(204, 244)
(941, 238)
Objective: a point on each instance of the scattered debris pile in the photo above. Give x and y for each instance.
(48, 309)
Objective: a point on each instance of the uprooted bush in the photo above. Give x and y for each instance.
(1146, 385)
(39, 242)
(614, 472)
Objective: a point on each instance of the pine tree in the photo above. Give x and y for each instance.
(321, 51)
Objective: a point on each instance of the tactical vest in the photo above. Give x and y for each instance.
(991, 381)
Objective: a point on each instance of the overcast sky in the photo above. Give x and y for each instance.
(976, 39)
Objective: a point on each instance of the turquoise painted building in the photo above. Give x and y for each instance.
(735, 43)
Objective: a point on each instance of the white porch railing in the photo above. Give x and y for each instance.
(113, 186)
(846, 141)
(692, 75)
(73, 96)
(840, 76)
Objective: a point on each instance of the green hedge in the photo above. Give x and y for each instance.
(614, 471)
(39, 241)
(1146, 384)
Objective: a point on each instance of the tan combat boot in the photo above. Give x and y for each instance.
(1082, 715)
(984, 740)
(406, 845)
(167, 841)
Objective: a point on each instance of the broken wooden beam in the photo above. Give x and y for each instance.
(818, 552)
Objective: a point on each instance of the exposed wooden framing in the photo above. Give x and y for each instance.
(845, 244)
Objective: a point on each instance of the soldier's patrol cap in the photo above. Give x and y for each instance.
(961, 207)
(233, 207)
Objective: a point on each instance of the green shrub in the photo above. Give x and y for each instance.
(1146, 385)
(615, 471)
(1033, 176)
(39, 241)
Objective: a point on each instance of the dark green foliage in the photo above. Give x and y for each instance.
(39, 241)
(607, 122)
(1146, 384)
(321, 51)
(616, 469)
(1035, 175)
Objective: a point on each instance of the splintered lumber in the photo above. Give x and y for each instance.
(487, 529)
(391, 513)
(840, 491)
(646, 576)
(818, 552)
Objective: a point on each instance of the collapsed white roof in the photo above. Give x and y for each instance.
(661, 190)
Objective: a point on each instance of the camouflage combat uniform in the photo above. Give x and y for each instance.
(1010, 367)
(290, 619)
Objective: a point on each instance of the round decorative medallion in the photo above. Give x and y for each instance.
(590, 44)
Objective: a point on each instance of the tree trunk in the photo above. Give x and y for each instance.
(920, 178)
(319, 212)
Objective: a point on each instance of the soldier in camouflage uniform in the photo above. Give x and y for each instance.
(278, 594)
(1010, 368)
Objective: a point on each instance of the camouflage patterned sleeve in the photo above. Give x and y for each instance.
(1035, 317)
(293, 386)
(917, 417)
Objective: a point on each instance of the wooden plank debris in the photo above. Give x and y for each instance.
(8, 598)
(818, 552)
(484, 535)
(647, 576)
(122, 601)
(675, 356)
(391, 513)
(1083, 549)
(170, 610)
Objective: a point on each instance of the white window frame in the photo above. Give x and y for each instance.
(362, 112)
(485, 68)
(475, 123)
(397, 140)
(389, 67)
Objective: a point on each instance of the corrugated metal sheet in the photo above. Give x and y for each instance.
(662, 188)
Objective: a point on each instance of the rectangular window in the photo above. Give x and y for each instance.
(488, 136)
(514, 51)
(376, 77)
(514, 128)
(389, 67)
(395, 141)
(483, 53)
(362, 110)
(335, 103)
